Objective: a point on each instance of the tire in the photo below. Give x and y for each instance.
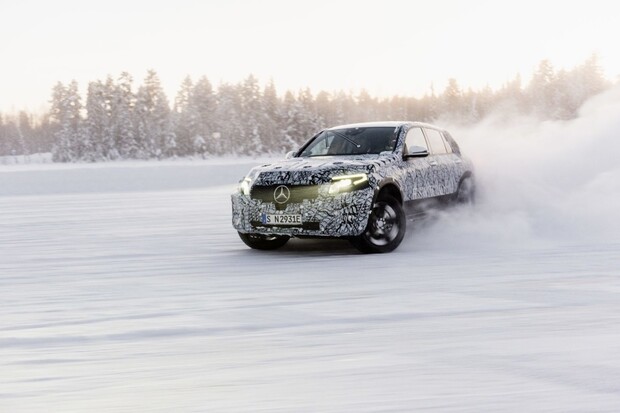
(466, 192)
(385, 229)
(263, 242)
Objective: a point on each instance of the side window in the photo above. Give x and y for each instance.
(415, 137)
(436, 141)
(446, 143)
(453, 146)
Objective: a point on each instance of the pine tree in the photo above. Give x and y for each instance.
(203, 106)
(154, 132)
(8, 141)
(541, 90)
(452, 100)
(42, 134)
(69, 143)
(293, 120)
(325, 110)
(184, 118)
(271, 119)
(99, 140)
(4, 141)
(251, 109)
(25, 132)
(509, 99)
(123, 119)
(13, 133)
(231, 135)
(365, 107)
(344, 107)
(300, 119)
(581, 83)
(309, 122)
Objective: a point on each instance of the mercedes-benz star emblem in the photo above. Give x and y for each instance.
(281, 194)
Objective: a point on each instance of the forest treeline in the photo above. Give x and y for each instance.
(117, 120)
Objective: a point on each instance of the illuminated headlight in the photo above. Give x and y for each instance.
(347, 183)
(244, 186)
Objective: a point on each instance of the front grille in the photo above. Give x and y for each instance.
(298, 193)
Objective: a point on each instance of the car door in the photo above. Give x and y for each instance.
(442, 160)
(419, 176)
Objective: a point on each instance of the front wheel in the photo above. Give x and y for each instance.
(263, 242)
(385, 229)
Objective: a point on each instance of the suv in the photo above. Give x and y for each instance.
(354, 182)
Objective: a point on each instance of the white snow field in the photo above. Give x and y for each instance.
(124, 288)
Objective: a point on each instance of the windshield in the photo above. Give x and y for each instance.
(352, 141)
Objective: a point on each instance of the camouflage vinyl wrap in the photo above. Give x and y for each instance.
(343, 214)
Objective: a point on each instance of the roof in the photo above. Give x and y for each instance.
(384, 124)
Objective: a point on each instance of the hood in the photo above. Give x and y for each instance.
(314, 170)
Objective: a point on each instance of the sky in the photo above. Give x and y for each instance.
(388, 47)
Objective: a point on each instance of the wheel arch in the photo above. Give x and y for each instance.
(471, 191)
(389, 186)
(466, 174)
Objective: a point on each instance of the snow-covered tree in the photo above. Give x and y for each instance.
(251, 116)
(154, 132)
(184, 118)
(365, 107)
(301, 120)
(123, 119)
(309, 120)
(271, 118)
(541, 90)
(509, 99)
(99, 142)
(14, 131)
(69, 145)
(243, 119)
(452, 99)
(579, 84)
(230, 135)
(4, 140)
(26, 132)
(203, 105)
(293, 120)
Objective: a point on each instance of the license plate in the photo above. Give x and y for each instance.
(281, 219)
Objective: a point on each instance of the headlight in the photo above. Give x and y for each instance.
(244, 186)
(348, 183)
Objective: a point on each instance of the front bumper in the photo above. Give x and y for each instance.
(340, 215)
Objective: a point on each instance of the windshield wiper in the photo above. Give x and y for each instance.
(346, 138)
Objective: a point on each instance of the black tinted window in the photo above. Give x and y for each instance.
(352, 141)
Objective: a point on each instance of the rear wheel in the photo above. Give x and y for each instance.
(385, 229)
(466, 193)
(263, 242)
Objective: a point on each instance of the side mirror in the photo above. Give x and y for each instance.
(416, 152)
(290, 155)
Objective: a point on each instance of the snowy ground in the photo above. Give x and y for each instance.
(123, 288)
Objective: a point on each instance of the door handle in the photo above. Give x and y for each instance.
(433, 163)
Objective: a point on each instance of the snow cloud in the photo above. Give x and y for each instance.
(539, 181)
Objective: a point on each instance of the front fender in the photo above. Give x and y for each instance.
(391, 186)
